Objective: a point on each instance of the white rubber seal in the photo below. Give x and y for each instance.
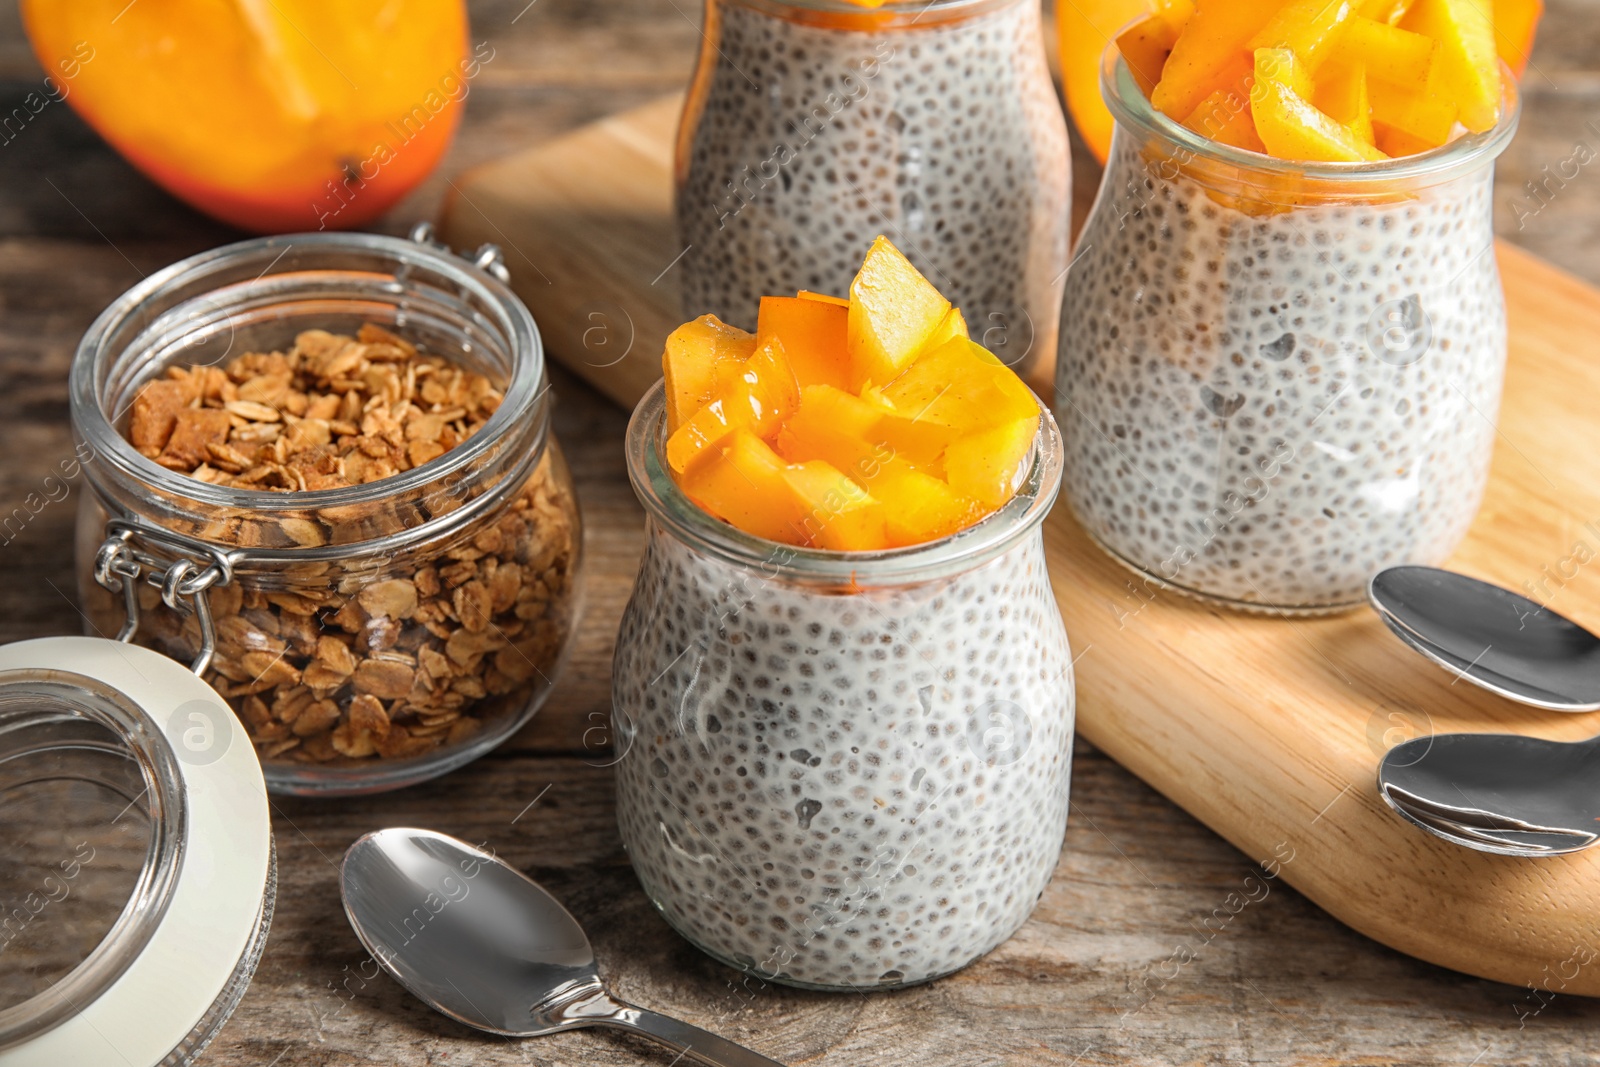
(150, 1010)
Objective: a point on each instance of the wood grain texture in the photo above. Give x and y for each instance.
(597, 205)
(1128, 959)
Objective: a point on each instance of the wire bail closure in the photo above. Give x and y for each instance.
(488, 258)
(183, 568)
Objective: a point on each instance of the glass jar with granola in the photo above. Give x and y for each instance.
(322, 471)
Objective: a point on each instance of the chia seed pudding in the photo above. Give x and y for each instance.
(832, 779)
(813, 127)
(1268, 393)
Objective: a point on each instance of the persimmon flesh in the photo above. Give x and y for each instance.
(857, 425)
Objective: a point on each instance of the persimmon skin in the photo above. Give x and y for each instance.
(273, 117)
(1085, 31)
(338, 203)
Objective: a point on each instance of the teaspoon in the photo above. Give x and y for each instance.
(486, 945)
(1490, 636)
(1500, 793)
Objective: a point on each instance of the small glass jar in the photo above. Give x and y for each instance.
(841, 770)
(1277, 378)
(813, 126)
(368, 636)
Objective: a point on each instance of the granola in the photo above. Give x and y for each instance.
(335, 664)
(331, 412)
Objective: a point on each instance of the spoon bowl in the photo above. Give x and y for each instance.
(1499, 793)
(1491, 636)
(486, 945)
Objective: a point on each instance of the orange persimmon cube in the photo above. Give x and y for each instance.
(1515, 22)
(698, 359)
(837, 428)
(1224, 117)
(740, 480)
(864, 458)
(813, 333)
(1389, 54)
(807, 294)
(835, 512)
(827, 407)
(1308, 28)
(1390, 11)
(758, 399)
(918, 507)
(857, 433)
(989, 465)
(915, 505)
(1469, 63)
(894, 310)
(1284, 67)
(1145, 46)
(1397, 142)
(1341, 94)
(961, 385)
(1211, 41)
(952, 325)
(1424, 113)
(861, 461)
(1292, 128)
(921, 442)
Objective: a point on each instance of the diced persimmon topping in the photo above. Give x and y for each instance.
(1331, 80)
(701, 358)
(894, 312)
(853, 425)
(809, 331)
(758, 397)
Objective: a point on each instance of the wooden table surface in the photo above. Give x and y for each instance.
(1115, 966)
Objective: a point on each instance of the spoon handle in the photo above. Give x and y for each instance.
(699, 1045)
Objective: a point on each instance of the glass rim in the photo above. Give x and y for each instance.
(47, 696)
(526, 386)
(1133, 110)
(665, 503)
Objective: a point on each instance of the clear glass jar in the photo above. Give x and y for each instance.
(369, 636)
(812, 126)
(838, 770)
(1276, 378)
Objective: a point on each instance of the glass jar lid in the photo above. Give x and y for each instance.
(136, 865)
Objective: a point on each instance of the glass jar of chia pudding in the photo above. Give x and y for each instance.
(1277, 378)
(842, 770)
(812, 126)
(371, 626)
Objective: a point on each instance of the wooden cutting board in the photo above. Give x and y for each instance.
(1267, 730)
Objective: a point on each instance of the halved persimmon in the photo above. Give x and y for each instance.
(271, 115)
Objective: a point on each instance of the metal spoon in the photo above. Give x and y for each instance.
(484, 944)
(1500, 793)
(1491, 636)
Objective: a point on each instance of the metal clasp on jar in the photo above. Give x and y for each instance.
(488, 258)
(183, 568)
